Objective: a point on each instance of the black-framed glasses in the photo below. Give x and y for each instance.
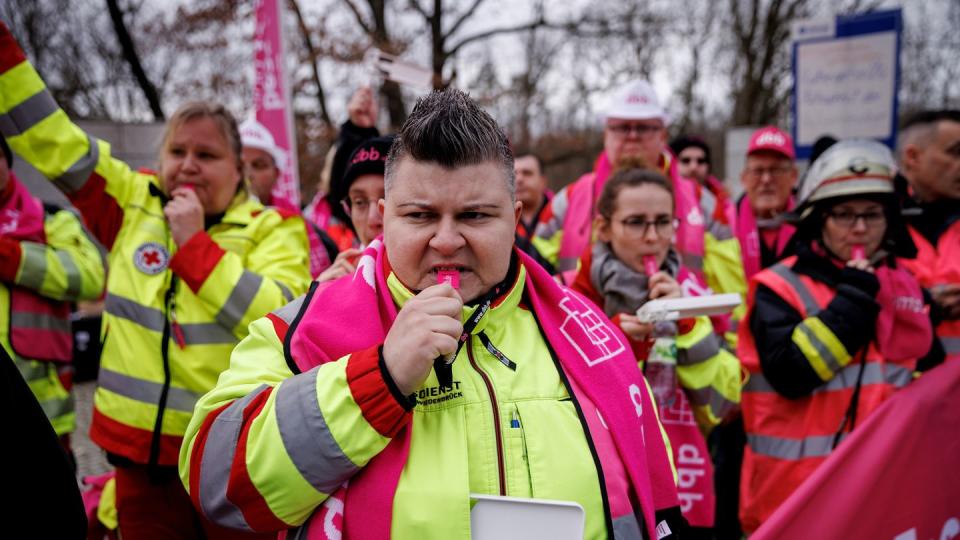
(638, 226)
(357, 205)
(780, 171)
(641, 130)
(847, 219)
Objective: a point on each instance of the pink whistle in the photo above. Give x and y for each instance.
(449, 276)
(650, 265)
(857, 253)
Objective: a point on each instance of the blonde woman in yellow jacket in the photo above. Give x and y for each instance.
(193, 260)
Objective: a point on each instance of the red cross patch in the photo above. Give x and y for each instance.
(151, 258)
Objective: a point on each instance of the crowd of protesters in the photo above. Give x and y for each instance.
(437, 323)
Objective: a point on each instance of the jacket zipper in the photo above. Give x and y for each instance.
(501, 470)
(168, 305)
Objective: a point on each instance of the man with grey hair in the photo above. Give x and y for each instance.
(929, 188)
(448, 365)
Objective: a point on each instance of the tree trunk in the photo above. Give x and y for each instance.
(132, 58)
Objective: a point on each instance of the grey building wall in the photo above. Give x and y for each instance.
(135, 144)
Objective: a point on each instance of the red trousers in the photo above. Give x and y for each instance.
(157, 507)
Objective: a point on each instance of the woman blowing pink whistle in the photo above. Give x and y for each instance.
(834, 330)
(695, 381)
(193, 259)
(332, 419)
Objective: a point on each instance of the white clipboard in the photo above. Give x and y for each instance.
(511, 518)
(672, 309)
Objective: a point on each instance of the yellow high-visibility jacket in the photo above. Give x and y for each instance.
(172, 314)
(67, 267)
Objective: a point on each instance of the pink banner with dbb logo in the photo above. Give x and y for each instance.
(271, 97)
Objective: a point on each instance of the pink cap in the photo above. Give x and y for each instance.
(772, 139)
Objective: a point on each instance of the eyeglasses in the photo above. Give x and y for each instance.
(642, 130)
(697, 160)
(357, 206)
(847, 219)
(775, 172)
(638, 226)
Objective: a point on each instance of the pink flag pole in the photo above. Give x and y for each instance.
(271, 97)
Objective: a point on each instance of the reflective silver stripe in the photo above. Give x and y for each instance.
(145, 316)
(791, 449)
(153, 319)
(217, 463)
(239, 300)
(714, 400)
(874, 373)
(565, 264)
(148, 392)
(720, 231)
(951, 345)
(31, 370)
(692, 261)
(702, 350)
(558, 206)
(56, 407)
(289, 312)
(76, 176)
(306, 437)
(34, 265)
(833, 364)
(287, 295)
(74, 279)
(627, 528)
(207, 334)
(809, 303)
(39, 321)
(28, 113)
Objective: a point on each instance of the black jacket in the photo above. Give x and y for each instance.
(851, 316)
(45, 498)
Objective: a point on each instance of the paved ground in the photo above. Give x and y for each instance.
(90, 458)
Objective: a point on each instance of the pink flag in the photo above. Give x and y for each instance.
(897, 477)
(271, 97)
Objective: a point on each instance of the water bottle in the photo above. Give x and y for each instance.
(661, 366)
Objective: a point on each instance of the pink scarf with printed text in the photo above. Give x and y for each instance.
(591, 351)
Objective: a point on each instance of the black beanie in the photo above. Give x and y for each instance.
(370, 157)
(683, 142)
(6, 151)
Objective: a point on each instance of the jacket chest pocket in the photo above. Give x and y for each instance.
(554, 449)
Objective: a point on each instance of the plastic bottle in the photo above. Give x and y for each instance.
(661, 366)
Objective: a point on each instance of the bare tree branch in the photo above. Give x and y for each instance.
(312, 54)
(463, 18)
(359, 16)
(414, 5)
(493, 32)
(130, 54)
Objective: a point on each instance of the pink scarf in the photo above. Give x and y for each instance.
(21, 215)
(592, 352)
(749, 236)
(21, 218)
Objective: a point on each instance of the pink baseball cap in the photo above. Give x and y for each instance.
(773, 139)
